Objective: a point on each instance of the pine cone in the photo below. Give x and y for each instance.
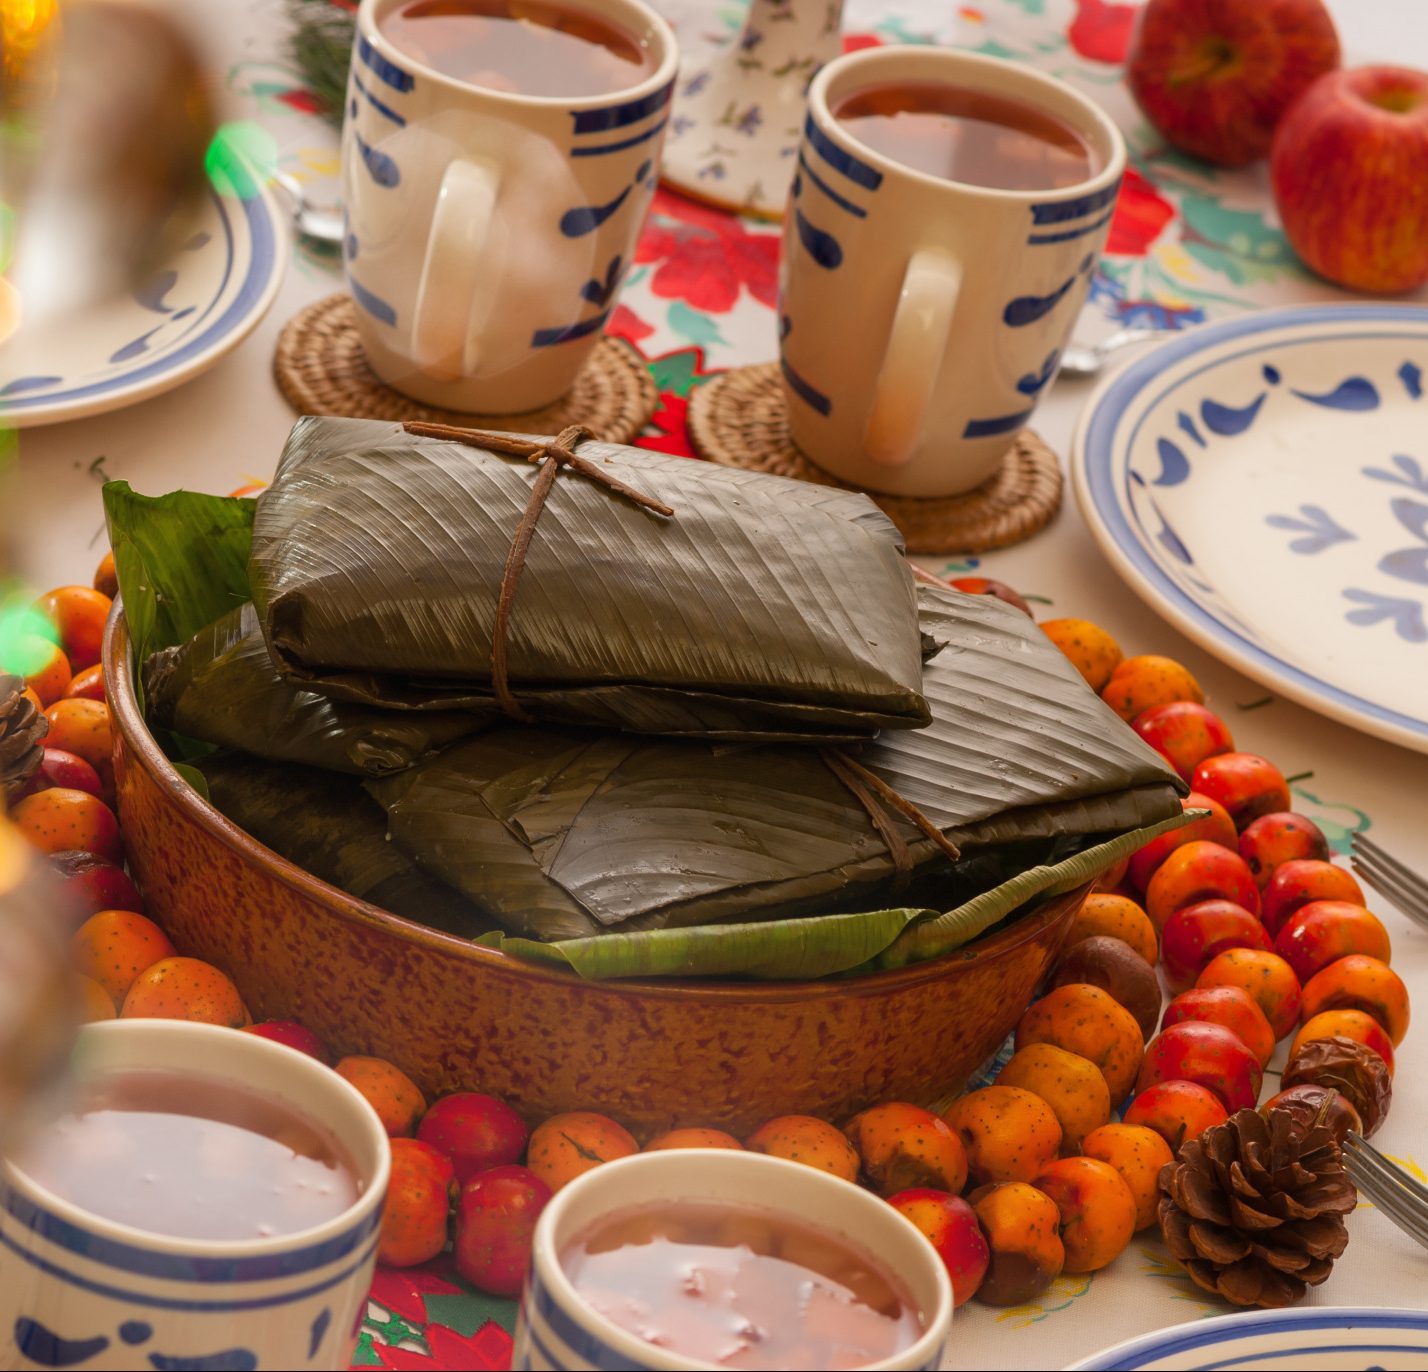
(1255, 1211)
(21, 729)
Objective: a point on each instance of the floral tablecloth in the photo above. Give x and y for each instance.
(1186, 244)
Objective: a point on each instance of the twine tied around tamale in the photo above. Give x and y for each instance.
(869, 789)
(552, 456)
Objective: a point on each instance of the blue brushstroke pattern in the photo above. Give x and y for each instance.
(1227, 420)
(822, 247)
(45, 1347)
(588, 218)
(811, 396)
(1063, 210)
(1187, 426)
(136, 1331)
(1270, 374)
(1000, 424)
(644, 170)
(229, 1360)
(1174, 465)
(1170, 540)
(319, 1329)
(182, 314)
(1032, 382)
(1354, 393)
(622, 145)
(599, 292)
(385, 70)
(1410, 473)
(1066, 235)
(29, 383)
(1406, 615)
(618, 116)
(545, 338)
(134, 347)
(151, 294)
(839, 158)
(843, 203)
(380, 106)
(1409, 564)
(1027, 309)
(373, 304)
(1412, 377)
(1317, 527)
(383, 170)
(200, 240)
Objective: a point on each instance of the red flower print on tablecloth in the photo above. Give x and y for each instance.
(1102, 31)
(706, 257)
(487, 1350)
(404, 1290)
(625, 323)
(856, 42)
(1141, 216)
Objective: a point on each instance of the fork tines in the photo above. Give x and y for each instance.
(1387, 875)
(1402, 1199)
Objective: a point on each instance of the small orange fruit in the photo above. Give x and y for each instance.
(802, 1138)
(78, 614)
(114, 946)
(185, 988)
(106, 577)
(81, 727)
(62, 820)
(1141, 683)
(49, 678)
(88, 684)
(1091, 650)
(94, 1001)
(568, 1145)
(693, 1138)
(395, 1097)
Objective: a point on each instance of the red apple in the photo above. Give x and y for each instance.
(1296, 883)
(1184, 734)
(93, 883)
(1246, 784)
(1214, 76)
(476, 1132)
(291, 1034)
(950, 1226)
(1207, 1054)
(495, 1219)
(62, 769)
(1350, 175)
(1274, 839)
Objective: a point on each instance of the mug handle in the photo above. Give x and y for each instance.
(454, 269)
(921, 326)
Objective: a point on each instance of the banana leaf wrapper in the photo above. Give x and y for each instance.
(763, 608)
(328, 826)
(1021, 765)
(221, 687)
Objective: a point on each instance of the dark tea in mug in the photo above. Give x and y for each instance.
(520, 47)
(973, 137)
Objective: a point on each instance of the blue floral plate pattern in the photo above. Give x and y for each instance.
(204, 302)
(1343, 1338)
(1263, 483)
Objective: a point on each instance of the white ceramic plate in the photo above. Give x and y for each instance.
(1331, 1338)
(202, 305)
(1263, 483)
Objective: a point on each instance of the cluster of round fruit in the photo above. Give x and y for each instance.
(65, 805)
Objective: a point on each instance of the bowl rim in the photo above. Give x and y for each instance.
(146, 753)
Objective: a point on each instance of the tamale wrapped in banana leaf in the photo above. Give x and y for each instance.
(327, 825)
(221, 687)
(760, 608)
(544, 827)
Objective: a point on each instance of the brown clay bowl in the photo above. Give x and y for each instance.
(454, 1016)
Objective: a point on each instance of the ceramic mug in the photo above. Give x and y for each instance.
(487, 233)
(78, 1289)
(921, 319)
(556, 1329)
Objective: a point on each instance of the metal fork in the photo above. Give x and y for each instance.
(1387, 875)
(1389, 1187)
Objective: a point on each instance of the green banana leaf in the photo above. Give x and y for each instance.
(181, 559)
(762, 608)
(801, 949)
(221, 687)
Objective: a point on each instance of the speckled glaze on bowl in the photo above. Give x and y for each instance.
(654, 1054)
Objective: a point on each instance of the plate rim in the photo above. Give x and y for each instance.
(1152, 586)
(1179, 1337)
(14, 415)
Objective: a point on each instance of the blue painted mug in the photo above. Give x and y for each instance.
(488, 232)
(921, 319)
(79, 1290)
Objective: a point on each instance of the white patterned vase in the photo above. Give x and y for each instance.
(739, 105)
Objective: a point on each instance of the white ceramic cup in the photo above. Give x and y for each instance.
(487, 233)
(557, 1329)
(79, 1290)
(921, 319)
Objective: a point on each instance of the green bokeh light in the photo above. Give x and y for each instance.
(239, 158)
(26, 639)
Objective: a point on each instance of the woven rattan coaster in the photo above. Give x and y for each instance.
(740, 420)
(321, 369)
